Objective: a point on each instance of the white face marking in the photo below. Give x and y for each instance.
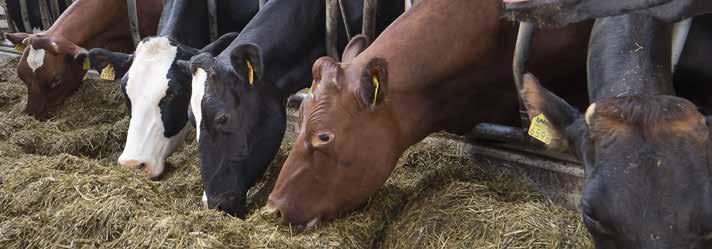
(196, 98)
(35, 58)
(146, 86)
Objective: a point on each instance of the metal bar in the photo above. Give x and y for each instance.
(213, 19)
(408, 4)
(679, 37)
(56, 12)
(369, 19)
(25, 15)
(133, 21)
(519, 63)
(332, 13)
(262, 3)
(501, 133)
(45, 15)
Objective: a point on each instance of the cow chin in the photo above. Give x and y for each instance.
(147, 149)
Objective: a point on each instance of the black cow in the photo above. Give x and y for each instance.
(156, 78)
(562, 12)
(33, 9)
(239, 97)
(646, 153)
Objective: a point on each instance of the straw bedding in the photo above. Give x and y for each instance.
(61, 188)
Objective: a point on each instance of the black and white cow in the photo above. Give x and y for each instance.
(156, 79)
(239, 97)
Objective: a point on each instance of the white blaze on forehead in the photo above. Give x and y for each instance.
(35, 58)
(147, 85)
(196, 98)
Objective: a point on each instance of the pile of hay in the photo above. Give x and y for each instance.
(63, 189)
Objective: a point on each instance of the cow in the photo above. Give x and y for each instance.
(52, 64)
(33, 10)
(156, 78)
(645, 151)
(562, 12)
(238, 100)
(362, 114)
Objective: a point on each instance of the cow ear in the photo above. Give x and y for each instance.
(374, 83)
(552, 118)
(17, 38)
(220, 44)
(100, 58)
(247, 62)
(357, 45)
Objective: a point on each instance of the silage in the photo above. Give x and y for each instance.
(63, 189)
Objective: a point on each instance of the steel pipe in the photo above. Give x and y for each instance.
(679, 37)
(133, 21)
(370, 8)
(213, 19)
(519, 63)
(332, 15)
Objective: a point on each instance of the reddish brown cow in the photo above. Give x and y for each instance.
(443, 65)
(55, 68)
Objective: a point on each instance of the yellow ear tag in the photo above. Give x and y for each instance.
(250, 73)
(376, 85)
(108, 73)
(20, 47)
(540, 129)
(85, 63)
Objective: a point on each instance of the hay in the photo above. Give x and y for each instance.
(63, 189)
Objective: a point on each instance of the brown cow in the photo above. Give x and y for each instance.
(427, 72)
(52, 62)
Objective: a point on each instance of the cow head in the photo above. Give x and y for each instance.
(348, 142)
(156, 85)
(562, 12)
(240, 119)
(51, 68)
(647, 167)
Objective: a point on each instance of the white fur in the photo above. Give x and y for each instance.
(589, 113)
(146, 86)
(35, 58)
(196, 98)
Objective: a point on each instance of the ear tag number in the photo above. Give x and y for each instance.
(108, 73)
(20, 47)
(376, 85)
(85, 63)
(539, 129)
(250, 73)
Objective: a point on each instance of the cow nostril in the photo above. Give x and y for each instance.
(141, 165)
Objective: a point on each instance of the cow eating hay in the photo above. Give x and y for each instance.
(62, 189)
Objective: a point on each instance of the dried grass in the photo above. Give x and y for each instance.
(62, 189)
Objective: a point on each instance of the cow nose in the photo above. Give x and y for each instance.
(132, 164)
(273, 209)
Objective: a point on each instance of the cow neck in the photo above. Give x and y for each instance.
(429, 60)
(88, 18)
(629, 55)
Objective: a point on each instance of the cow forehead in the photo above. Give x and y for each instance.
(148, 76)
(196, 98)
(35, 58)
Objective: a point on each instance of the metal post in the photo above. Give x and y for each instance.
(679, 37)
(262, 3)
(521, 55)
(408, 4)
(25, 15)
(213, 19)
(369, 19)
(56, 12)
(133, 21)
(332, 13)
(44, 15)
(10, 21)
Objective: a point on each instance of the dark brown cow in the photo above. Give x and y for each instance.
(425, 73)
(52, 63)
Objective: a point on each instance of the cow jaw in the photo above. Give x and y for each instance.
(147, 85)
(196, 98)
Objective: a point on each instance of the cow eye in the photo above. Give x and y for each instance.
(221, 119)
(324, 137)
